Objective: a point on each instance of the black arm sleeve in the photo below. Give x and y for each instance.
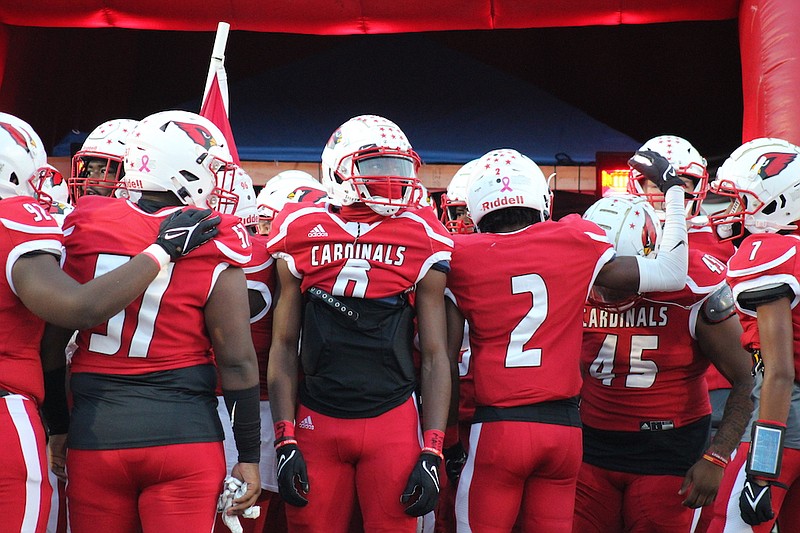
(244, 410)
(750, 300)
(54, 407)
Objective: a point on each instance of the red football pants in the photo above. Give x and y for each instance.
(159, 488)
(367, 458)
(607, 502)
(519, 468)
(25, 490)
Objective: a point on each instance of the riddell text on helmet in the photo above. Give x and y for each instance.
(506, 200)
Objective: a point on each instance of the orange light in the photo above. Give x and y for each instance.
(614, 181)
(611, 173)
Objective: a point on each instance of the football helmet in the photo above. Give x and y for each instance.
(633, 226)
(97, 167)
(183, 153)
(454, 201)
(285, 189)
(24, 170)
(687, 162)
(506, 178)
(246, 208)
(369, 159)
(762, 179)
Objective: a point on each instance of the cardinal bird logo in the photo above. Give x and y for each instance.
(198, 134)
(306, 194)
(649, 236)
(772, 164)
(15, 134)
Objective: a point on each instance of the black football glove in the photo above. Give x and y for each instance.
(424, 484)
(755, 503)
(185, 230)
(292, 473)
(656, 168)
(454, 459)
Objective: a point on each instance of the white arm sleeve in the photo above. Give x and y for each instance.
(667, 272)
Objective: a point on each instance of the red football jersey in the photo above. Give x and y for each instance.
(260, 273)
(26, 227)
(644, 364)
(522, 294)
(165, 327)
(764, 260)
(352, 251)
(704, 238)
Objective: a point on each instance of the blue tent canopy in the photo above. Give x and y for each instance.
(452, 107)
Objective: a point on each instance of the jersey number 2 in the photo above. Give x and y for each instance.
(516, 353)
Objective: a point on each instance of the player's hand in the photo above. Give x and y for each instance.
(185, 230)
(250, 474)
(755, 503)
(292, 475)
(656, 168)
(423, 485)
(454, 459)
(702, 483)
(57, 452)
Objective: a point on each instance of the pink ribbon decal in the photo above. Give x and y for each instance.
(506, 187)
(146, 159)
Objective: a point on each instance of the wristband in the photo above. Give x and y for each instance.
(433, 442)
(766, 449)
(284, 429)
(157, 254)
(715, 458)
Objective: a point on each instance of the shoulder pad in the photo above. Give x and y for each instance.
(719, 306)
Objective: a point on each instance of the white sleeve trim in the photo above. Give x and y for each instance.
(762, 283)
(45, 245)
(763, 266)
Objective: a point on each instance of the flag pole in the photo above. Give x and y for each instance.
(218, 61)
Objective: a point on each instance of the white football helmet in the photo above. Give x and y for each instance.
(634, 228)
(454, 201)
(24, 170)
(97, 167)
(183, 153)
(687, 162)
(246, 208)
(506, 178)
(294, 188)
(762, 178)
(369, 159)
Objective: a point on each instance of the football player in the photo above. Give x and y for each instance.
(345, 272)
(143, 383)
(761, 481)
(646, 462)
(35, 290)
(97, 167)
(289, 186)
(521, 283)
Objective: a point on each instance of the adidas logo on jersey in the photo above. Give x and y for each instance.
(306, 423)
(318, 231)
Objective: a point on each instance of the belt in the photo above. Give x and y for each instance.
(4, 393)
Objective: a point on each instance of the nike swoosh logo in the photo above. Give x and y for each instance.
(174, 234)
(283, 460)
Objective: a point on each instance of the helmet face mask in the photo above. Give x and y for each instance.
(97, 168)
(455, 215)
(762, 180)
(632, 225)
(368, 159)
(182, 153)
(688, 164)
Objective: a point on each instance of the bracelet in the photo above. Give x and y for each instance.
(433, 451)
(157, 254)
(284, 442)
(716, 459)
